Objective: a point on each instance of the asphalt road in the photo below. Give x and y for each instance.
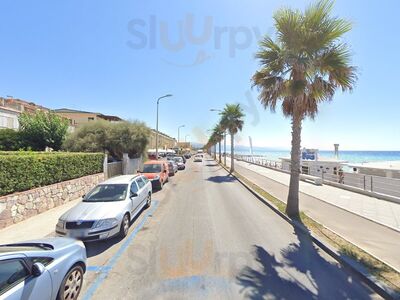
(207, 237)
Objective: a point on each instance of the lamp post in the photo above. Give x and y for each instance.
(158, 102)
(219, 110)
(179, 127)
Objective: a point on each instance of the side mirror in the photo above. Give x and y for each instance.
(83, 196)
(133, 195)
(38, 269)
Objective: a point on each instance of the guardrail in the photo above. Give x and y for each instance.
(376, 185)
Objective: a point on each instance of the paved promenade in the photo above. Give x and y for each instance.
(319, 203)
(381, 211)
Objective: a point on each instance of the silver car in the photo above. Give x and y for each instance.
(107, 210)
(44, 269)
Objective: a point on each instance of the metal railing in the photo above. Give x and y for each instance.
(370, 183)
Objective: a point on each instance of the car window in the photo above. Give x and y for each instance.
(152, 168)
(145, 179)
(140, 182)
(134, 187)
(43, 260)
(12, 272)
(107, 193)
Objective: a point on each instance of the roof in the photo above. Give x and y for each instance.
(150, 162)
(382, 165)
(123, 179)
(67, 110)
(320, 159)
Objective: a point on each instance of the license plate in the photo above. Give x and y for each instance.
(76, 233)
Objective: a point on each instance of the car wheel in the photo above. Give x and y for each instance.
(72, 284)
(148, 202)
(124, 226)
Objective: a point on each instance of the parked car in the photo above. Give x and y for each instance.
(198, 158)
(172, 168)
(187, 155)
(45, 269)
(179, 161)
(107, 210)
(157, 172)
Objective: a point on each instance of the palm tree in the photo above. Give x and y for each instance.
(218, 133)
(232, 120)
(305, 65)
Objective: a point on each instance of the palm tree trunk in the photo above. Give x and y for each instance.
(292, 207)
(232, 153)
(219, 150)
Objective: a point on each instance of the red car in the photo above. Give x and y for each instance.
(157, 172)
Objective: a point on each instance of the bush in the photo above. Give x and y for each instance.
(11, 140)
(116, 138)
(23, 172)
(43, 129)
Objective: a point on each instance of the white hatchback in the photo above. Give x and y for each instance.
(107, 210)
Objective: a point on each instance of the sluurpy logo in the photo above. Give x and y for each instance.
(154, 33)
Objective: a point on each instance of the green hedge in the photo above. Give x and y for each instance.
(34, 169)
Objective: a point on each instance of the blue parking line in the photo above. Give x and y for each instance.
(105, 270)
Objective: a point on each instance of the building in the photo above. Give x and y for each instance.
(11, 108)
(312, 164)
(164, 140)
(79, 117)
(390, 169)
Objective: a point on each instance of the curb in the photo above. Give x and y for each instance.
(379, 287)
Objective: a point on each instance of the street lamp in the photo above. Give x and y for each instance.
(158, 102)
(178, 133)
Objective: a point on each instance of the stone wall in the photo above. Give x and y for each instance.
(20, 206)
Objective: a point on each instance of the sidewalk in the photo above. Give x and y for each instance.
(36, 227)
(381, 211)
(378, 240)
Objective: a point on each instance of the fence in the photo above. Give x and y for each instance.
(375, 185)
(124, 167)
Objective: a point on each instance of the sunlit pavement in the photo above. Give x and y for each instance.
(205, 236)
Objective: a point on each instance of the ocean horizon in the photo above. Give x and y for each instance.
(351, 156)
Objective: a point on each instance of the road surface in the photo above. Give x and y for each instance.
(207, 237)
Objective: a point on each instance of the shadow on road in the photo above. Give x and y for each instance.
(96, 248)
(301, 261)
(221, 179)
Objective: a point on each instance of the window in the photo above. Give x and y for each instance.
(145, 179)
(43, 260)
(140, 182)
(152, 168)
(134, 188)
(12, 272)
(107, 193)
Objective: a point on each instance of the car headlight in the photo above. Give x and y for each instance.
(105, 223)
(60, 224)
(157, 177)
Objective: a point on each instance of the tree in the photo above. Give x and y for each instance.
(115, 138)
(11, 140)
(232, 120)
(302, 67)
(218, 133)
(43, 129)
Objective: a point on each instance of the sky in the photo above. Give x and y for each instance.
(118, 57)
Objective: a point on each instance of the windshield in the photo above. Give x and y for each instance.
(178, 159)
(152, 168)
(107, 193)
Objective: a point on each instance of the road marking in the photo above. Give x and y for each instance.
(104, 270)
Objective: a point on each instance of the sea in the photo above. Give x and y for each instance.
(350, 156)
